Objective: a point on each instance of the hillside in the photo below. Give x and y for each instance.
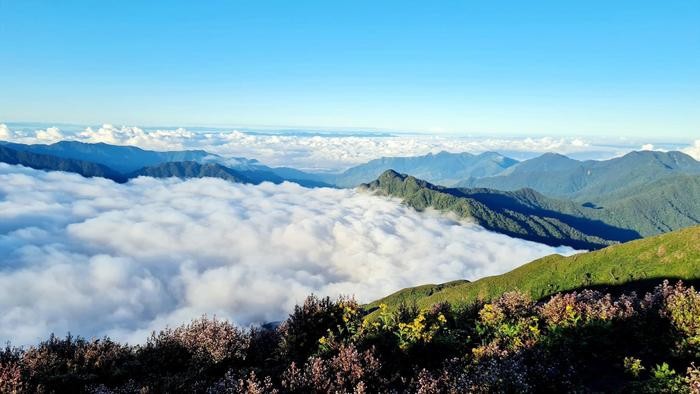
(656, 207)
(122, 162)
(660, 206)
(190, 169)
(671, 255)
(442, 168)
(523, 214)
(589, 181)
(123, 159)
(53, 163)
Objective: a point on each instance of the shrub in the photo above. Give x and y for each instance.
(580, 341)
(665, 380)
(682, 308)
(633, 366)
(72, 363)
(315, 319)
(693, 379)
(348, 371)
(507, 325)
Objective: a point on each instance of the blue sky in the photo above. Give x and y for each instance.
(494, 67)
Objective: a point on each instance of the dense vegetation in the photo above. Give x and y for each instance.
(665, 205)
(581, 341)
(523, 214)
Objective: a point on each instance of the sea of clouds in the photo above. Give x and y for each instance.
(96, 258)
(326, 151)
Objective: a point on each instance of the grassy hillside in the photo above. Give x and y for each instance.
(672, 255)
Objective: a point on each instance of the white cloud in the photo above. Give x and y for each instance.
(94, 257)
(305, 151)
(51, 134)
(339, 152)
(42, 136)
(648, 147)
(693, 150)
(125, 135)
(5, 132)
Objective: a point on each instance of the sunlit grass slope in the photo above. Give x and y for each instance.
(671, 255)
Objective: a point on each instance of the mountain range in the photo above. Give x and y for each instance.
(551, 199)
(442, 168)
(661, 206)
(524, 214)
(591, 180)
(121, 163)
(122, 159)
(52, 163)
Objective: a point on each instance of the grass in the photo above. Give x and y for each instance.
(671, 255)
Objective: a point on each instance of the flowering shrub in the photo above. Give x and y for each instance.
(506, 325)
(249, 384)
(581, 341)
(349, 371)
(315, 319)
(421, 330)
(575, 309)
(693, 379)
(71, 363)
(212, 339)
(682, 308)
(191, 355)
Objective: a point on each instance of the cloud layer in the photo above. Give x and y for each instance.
(332, 152)
(93, 257)
(693, 150)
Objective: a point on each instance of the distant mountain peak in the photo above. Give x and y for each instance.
(442, 168)
(554, 155)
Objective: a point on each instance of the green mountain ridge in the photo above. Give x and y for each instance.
(523, 214)
(674, 255)
(656, 207)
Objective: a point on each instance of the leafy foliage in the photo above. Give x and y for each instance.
(580, 341)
